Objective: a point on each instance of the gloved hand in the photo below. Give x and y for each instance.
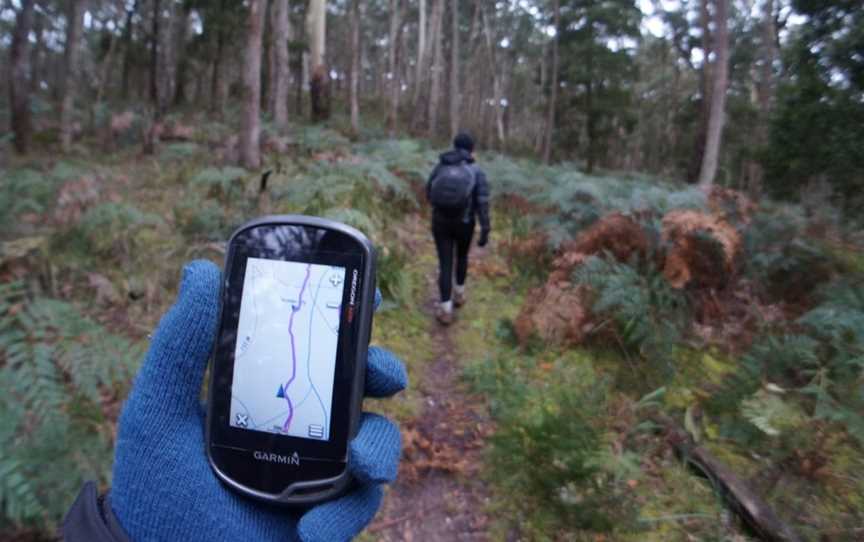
(484, 238)
(163, 486)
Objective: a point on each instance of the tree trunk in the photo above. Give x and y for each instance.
(496, 79)
(19, 80)
(281, 77)
(319, 84)
(421, 51)
(437, 68)
(250, 151)
(454, 71)
(74, 27)
(553, 91)
(217, 94)
(355, 65)
(154, 54)
(705, 90)
(718, 96)
(102, 83)
(182, 66)
(393, 66)
(127, 50)
(38, 52)
(765, 89)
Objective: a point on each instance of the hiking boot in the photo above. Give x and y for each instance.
(459, 298)
(445, 317)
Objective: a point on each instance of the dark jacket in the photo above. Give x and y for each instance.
(480, 199)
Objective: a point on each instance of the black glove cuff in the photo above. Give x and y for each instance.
(91, 519)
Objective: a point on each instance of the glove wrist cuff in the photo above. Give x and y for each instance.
(91, 519)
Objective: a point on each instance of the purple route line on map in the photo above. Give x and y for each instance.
(294, 310)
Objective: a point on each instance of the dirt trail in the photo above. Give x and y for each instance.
(439, 495)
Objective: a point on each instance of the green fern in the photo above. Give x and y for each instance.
(646, 315)
(57, 367)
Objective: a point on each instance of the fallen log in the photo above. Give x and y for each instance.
(739, 496)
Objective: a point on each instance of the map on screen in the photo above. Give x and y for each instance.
(285, 358)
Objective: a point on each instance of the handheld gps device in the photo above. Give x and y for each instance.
(289, 362)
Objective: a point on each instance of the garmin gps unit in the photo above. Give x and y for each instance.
(286, 382)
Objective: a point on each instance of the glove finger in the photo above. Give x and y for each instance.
(374, 453)
(385, 373)
(168, 384)
(342, 519)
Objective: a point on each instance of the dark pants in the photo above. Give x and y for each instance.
(452, 237)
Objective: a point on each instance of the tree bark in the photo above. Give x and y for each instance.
(553, 91)
(19, 80)
(437, 68)
(74, 27)
(282, 66)
(393, 66)
(316, 31)
(454, 70)
(217, 87)
(154, 54)
(718, 96)
(182, 60)
(104, 75)
(496, 79)
(127, 50)
(355, 65)
(421, 51)
(705, 90)
(250, 151)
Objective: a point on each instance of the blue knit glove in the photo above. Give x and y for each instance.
(163, 486)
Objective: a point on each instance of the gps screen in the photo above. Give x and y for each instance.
(285, 357)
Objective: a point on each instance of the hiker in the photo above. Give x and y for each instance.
(163, 487)
(459, 194)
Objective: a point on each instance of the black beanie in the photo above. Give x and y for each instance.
(463, 141)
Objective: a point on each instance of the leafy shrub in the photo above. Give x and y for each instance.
(393, 280)
(404, 156)
(26, 190)
(110, 229)
(202, 218)
(645, 315)
(315, 138)
(549, 447)
(61, 374)
(224, 184)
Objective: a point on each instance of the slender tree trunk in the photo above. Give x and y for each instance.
(19, 80)
(496, 79)
(217, 95)
(127, 50)
(437, 68)
(705, 90)
(718, 96)
(355, 65)
(454, 70)
(250, 150)
(421, 51)
(74, 27)
(154, 54)
(393, 66)
(765, 89)
(316, 31)
(182, 60)
(282, 65)
(37, 52)
(104, 75)
(553, 91)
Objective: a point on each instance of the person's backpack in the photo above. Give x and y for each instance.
(452, 188)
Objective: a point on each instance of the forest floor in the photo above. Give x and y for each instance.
(439, 494)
